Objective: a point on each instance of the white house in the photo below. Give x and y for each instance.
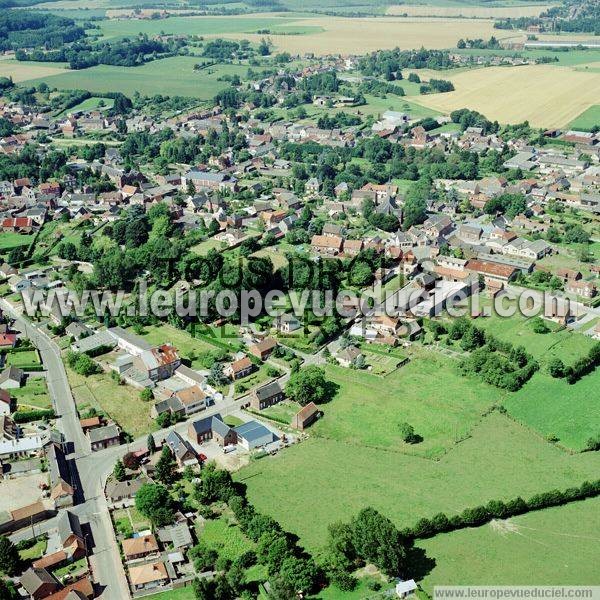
(405, 588)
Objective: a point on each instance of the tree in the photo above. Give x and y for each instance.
(151, 444)
(215, 484)
(556, 368)
(9, 557)
(119, 471)
(146, 395)
(131, 461)
(407, 433)
(308, 385)
(7, 590)
(154, 502)
(165, 467)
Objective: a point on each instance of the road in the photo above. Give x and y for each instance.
(92, 473)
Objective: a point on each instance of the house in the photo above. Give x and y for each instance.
(104, 437)
(306, 416)
(148, 576)
(6, 403)
(263, 349)
(327, 244)
(348, 356)
(405, 588)
(158, 363)
(11, 378)
(71, 540)
(8, 340)
(287, 323)
(184, 454)
(177, 535)
(490, 270)
(223, 434)
(192, 399)
(120, 491)
(90, 423)
(312, 186)
(202, 430)
(586, 289)
(38, 583)
(239, 368)
(140, 547)
(61, 489)
(253, 435)
(266, 396)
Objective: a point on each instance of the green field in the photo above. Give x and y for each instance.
(170, 76)
(500, 460)
(556, 546)
(587, 119)
(368, 409)
(23, 359)
(190, 26)
(185, 593)
(92, 103)
(555, 408)
(10, 240)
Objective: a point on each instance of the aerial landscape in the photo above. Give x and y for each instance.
(299, 300)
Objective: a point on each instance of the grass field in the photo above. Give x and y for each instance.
(90, 104)
(23, 359)
(553, 407)
(587, 119)
(171, 76)
(556, 546)
(500, 459)
(122, 403)
(10, 240)
(185, 593)
(367, 410)
(36, 551)
(516, 94)
(210, 244)
(342, 34)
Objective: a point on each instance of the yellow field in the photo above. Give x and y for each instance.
(480, 12)
(544, 95)
(22, 71)
(351, 36)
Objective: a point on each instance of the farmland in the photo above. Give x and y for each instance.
(466, 10)
(23, 71)
(565, 541)
(173, 75)
(588, 119)
(340, 34)
(500, 459)
(516, 94)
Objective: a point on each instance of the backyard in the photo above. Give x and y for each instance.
(33, 394)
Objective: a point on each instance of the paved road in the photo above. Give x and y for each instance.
(92, 473)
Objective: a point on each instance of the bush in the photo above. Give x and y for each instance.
(26, 416)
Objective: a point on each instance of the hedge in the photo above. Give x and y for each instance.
(497, 509)
(26, 416)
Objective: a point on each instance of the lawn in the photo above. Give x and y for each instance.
(71, 569)
(368, 409)
(36, 551)
(225, 537)
(555, 546)
(173, 76)
(185, 593)
(587, 119)
(122, 403)
(500, 460)
(34, 393)
(24, 359)
(283, 411)
(204, 247)
(129, 521)
(92, 103)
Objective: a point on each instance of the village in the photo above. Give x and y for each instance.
(121, 436)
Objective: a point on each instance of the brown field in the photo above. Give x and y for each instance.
(544, 95)
(480, 12)
(20, 71)
(347, 36)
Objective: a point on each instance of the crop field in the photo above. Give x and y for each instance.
(516, 94)
(171, 76)
(342, 34)
(555, 546)
(212, 26)
(466, 10)
(368, 409)
(500, 460)
(23, 71)
(587, 119)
